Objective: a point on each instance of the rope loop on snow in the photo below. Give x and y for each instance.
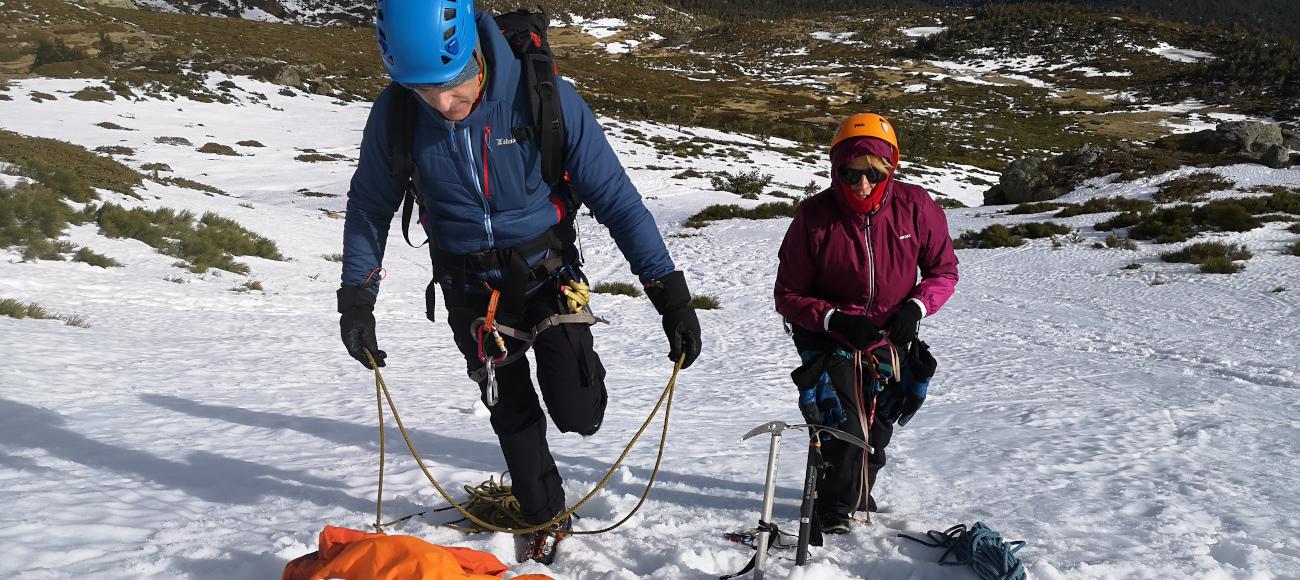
(381, 388)
(979, 547)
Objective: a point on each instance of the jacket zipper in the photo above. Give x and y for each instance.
(478, 185)
(871, 266)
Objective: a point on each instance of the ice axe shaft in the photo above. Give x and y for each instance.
(765, 527)
(769, 490)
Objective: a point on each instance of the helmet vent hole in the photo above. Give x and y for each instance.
(446, 60)
(449, 14)
(391, 60)
(383, 38)
(379, 14)
(447, 34)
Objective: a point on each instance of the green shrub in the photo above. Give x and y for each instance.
(61, 180)
(1294, 249)
(746, 184)
(190, 184)
(994, 236)
(50, 52)
(173, 141)
(1105, 204)
(1166, 225)
(688, 173)
(947, 203)
(90, 257)
(1115, 242)
(1036, 207)
(1202, 252)
(156, 167)
(1039, 229)
(40, 97)
(248, 287)
(314, 157)
(56, 162)
(212, 242)
(770, 210)
(46, 249)
(1226, 215)
(113, 126)
(1132, 266)
(1123, 220)
(31, 214)
(98, 94)
(705, 302)
(333, 257)
(15, 309)
(218, 149)
(115, 150)
(623, 288)
(250, 143)
(1220, 265)
(1191, 188)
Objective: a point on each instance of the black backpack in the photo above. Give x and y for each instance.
(526, 33)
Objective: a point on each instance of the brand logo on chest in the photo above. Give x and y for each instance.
(506, 141)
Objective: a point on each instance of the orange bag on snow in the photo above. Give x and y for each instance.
(355, 555)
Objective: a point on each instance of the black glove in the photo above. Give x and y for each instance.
(357, 324)
(855, 328)
(672, 299)
(901, 327)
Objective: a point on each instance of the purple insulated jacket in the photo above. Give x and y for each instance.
(836, 258)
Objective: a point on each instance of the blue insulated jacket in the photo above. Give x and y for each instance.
(483, 188)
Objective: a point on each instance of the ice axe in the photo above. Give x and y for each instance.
(765, 527)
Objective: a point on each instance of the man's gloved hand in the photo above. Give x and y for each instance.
(672, 298)
(855, 328)
(821, 405)
(357, 324)
(901, 327)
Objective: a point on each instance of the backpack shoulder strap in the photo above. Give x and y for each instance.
(402, 111)
(526, 33)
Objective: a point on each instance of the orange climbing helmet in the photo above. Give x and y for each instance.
(867, 125)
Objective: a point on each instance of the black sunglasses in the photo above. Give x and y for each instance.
(854, 176)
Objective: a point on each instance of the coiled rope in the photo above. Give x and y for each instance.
(979, 547)
(381, 390)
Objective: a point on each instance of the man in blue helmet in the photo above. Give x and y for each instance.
(492, 223)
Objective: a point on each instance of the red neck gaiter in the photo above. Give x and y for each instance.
(872, 201)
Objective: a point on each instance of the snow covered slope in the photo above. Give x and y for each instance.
(1128, 423)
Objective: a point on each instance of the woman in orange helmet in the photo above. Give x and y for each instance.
(847, 285)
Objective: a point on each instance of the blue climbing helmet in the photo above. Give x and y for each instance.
(425, 42)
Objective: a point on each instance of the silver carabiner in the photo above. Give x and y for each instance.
(491, 395)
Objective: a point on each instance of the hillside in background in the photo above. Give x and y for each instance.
(1272, 15)
(974, 86)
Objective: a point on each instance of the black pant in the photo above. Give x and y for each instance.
(840, 486)
(572, 382)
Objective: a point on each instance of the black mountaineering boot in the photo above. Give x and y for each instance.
(836, 524)
(540, 546)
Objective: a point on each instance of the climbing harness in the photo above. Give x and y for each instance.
(383, 394)
(979, 547)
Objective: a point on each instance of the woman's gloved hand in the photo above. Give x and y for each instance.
(855, 328)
